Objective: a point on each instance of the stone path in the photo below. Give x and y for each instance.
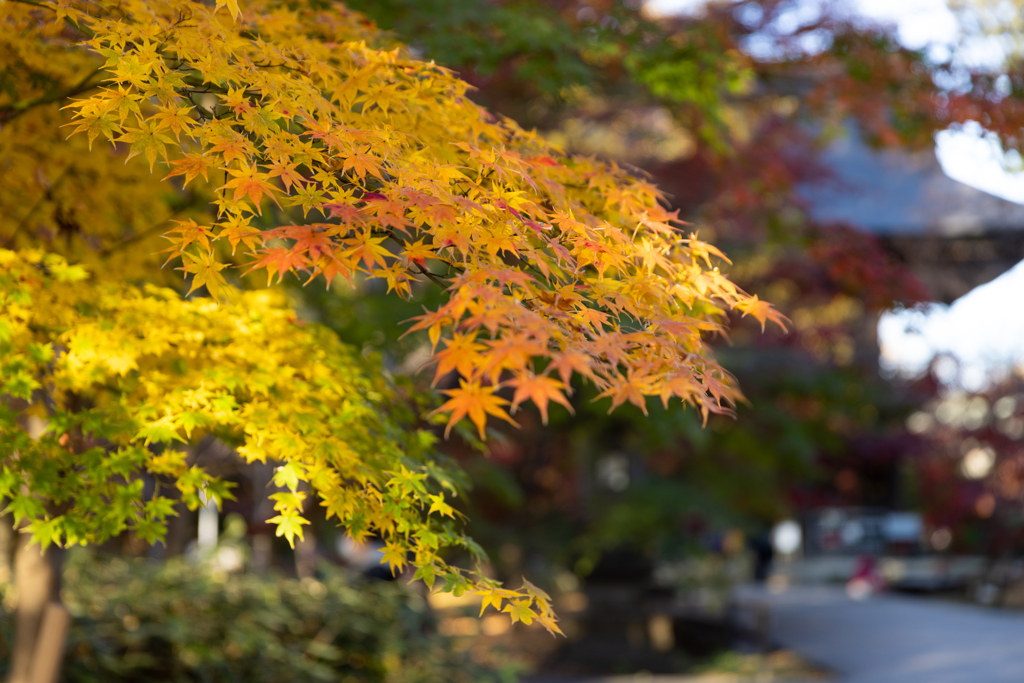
(892, 638)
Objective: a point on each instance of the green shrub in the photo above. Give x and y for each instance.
(140, 620)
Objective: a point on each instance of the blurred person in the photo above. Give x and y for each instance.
(764, 553)
(866, 580)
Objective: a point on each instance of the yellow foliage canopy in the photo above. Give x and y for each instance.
(131, 374)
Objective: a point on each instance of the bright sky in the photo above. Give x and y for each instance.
(981, 335)
(983, 330)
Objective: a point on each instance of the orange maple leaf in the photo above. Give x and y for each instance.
(362, 163)
(630, 389)
(250, 182)
(235, 147)
(287, 173)
(569, 362)
(476, 401)
(190, 166)
(762, 311)
(462, 354)
(369, 249)
(540, 390)
(190, 232)
(418, 252)
(281, 260)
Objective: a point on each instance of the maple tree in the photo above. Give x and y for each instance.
(297, 140)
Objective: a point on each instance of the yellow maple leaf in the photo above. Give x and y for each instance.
(232, 6)
(205, 270)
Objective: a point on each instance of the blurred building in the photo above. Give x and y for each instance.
(953, 236)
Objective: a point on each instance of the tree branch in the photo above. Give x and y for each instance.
(16, 109)
(45, 196)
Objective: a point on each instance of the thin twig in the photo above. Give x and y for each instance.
(433, 278)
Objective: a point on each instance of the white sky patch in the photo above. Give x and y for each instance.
(982, 333)
(919, 23)
(674, 7)
(974, 157)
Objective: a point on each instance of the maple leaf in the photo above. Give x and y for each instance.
(175, 119)
(278, 261)
(289, 525)
(540, 390)
(190, 166)
(312, 239)
(96, 124)
(394, 555)
(237, 100)
(190, 232)
(346, 212)
(491, 598)
(287, 173)
(462, 353)
(132, 70)
(236, 230)
(569, 362)
(331, 268)
(205, 271)
(630, 389)
(232, 148)
(477, 402)
(362, 164)
(368, 249)
(418, 252)
(147, 140)
(250, 182)
(511, 352)
(762, 311)
(547, 620)
(438, 505)
(232, 6)
(123, 100)
(520, 610)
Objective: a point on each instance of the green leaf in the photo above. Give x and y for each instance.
(289, 525)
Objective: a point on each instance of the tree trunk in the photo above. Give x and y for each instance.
(6, 547)
(41, 621)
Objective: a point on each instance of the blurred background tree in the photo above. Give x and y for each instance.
(729, 108)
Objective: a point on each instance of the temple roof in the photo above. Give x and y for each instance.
(898, 192)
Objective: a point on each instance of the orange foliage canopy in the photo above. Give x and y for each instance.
(555, 265)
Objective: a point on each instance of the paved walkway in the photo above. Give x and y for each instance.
(895, 639)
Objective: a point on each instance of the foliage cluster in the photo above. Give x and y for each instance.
(138, 371)
(174, 622)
